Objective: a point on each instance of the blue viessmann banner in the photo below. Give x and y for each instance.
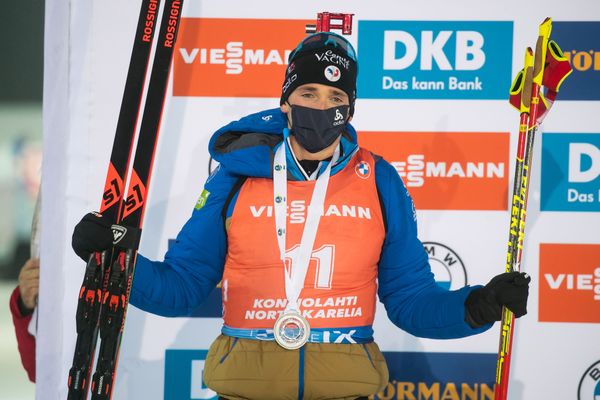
(434, 59)
(570, 172)
(580, 43)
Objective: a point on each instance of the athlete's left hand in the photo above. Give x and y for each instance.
(484, 305)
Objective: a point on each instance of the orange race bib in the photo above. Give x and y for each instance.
(340, 286)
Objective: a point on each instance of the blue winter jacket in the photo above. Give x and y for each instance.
(193, 266)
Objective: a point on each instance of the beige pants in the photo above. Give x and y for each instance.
(252, 369)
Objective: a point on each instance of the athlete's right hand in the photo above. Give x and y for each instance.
(92, 234)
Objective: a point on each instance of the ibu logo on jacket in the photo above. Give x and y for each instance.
(434, 59)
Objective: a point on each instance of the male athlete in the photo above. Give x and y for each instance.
(303, 227)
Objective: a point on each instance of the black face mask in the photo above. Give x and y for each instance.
(315, 129)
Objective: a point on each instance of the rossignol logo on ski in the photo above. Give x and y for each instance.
(435, 59)
(119, 233)
(448, 170)
(172, 24)
(233, 57)
(150, 22)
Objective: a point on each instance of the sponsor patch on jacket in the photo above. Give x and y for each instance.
(202, 199)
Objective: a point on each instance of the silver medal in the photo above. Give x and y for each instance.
(291, 330)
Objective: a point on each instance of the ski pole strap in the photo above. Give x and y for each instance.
(126, 237)
(557, 67)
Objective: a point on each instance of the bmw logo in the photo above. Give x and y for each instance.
(589, 386)
(363, 170)
(447, 267)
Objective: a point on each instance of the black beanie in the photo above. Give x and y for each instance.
(325, 58)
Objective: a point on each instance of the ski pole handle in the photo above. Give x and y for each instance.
(540, 51)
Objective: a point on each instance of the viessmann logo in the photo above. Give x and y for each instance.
(447, 170)
(569, 283)
(435, 59)
(298, 208)
(233, 57)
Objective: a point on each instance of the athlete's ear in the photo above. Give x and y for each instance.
(285, 108)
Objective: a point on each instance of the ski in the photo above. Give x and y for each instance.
(90, 294)
(128, 231)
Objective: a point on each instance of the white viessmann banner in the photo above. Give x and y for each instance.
(433, 88)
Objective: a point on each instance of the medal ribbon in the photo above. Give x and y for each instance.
(294, 278)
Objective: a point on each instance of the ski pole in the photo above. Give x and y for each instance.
(527, 129)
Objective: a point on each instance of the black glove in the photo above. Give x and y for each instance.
(92, 234)
(484, 305)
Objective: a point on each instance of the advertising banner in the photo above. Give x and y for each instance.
(435, 59)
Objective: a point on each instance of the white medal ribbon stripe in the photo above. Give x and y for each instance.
(294, 279)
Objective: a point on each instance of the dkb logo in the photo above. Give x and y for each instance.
(434, 59)
(570, 172)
